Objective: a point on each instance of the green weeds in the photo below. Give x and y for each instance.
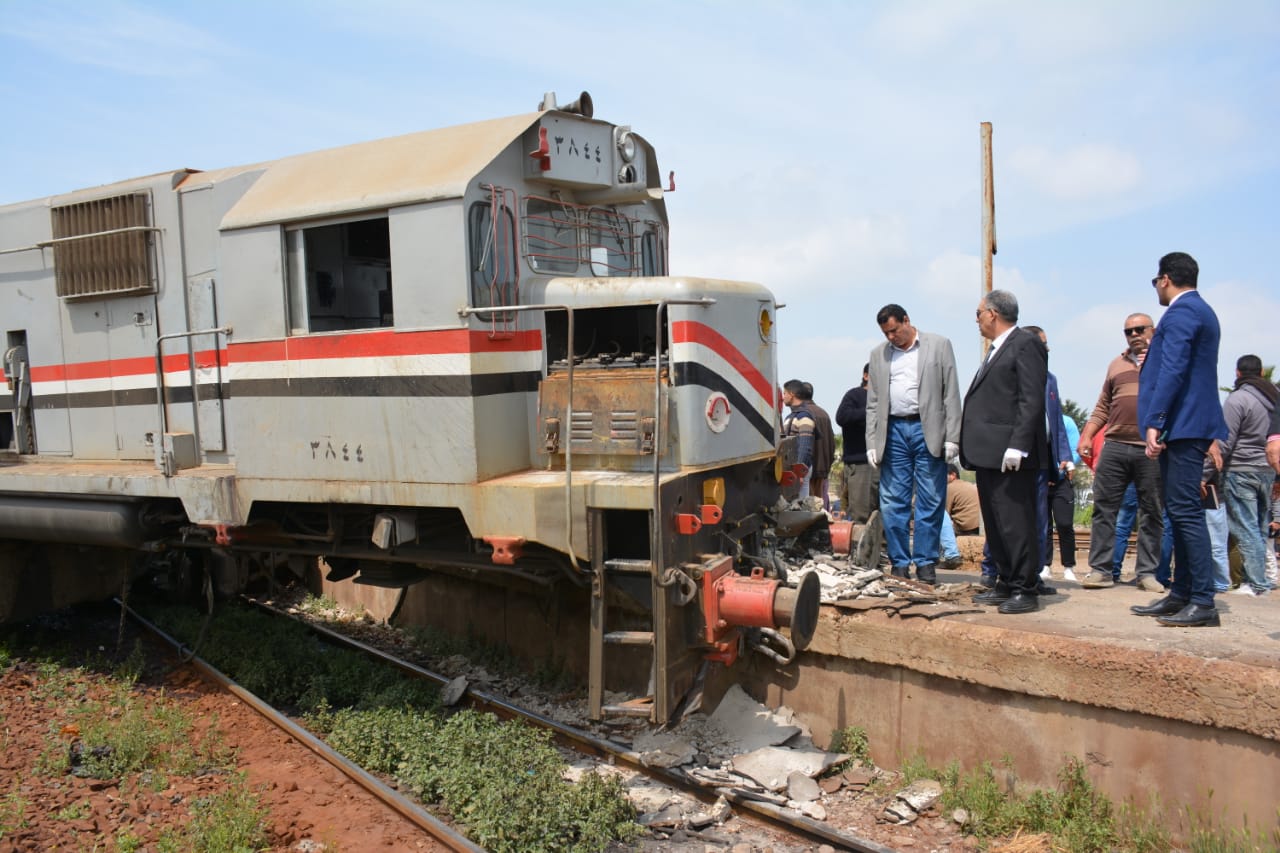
(1075, 815)
(502, 780)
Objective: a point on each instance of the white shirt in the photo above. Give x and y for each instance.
(904, 379)
(999, 339)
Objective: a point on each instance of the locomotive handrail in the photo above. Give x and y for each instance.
(195, 393)
(44, 244)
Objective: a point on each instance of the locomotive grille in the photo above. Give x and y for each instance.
(623, 426)
(98, 257)
(581, 426)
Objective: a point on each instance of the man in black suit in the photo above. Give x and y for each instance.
(1002, 438)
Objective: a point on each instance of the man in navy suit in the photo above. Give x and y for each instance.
(1179, 416)
(1059, 470)
(1003, 439)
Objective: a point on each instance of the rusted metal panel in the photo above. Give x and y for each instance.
(613, 411)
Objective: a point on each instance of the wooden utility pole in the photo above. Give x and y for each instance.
(988, 209)
(988, 218)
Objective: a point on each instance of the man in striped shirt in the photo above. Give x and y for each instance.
(1123, 460)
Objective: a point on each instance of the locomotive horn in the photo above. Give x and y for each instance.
(582, 106)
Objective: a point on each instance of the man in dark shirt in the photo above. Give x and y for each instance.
(824, 446)
(860, 484)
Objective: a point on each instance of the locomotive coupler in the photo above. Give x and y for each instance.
(731, 602)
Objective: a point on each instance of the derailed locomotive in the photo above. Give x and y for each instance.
(460, 347)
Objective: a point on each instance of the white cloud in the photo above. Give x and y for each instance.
(829, 256)
(118, 37)
(1082, 173)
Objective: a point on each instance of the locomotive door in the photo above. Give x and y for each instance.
(202, 309)
(131, 346)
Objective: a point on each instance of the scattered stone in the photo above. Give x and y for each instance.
(899, 812)
(451, 694)
(960, 816)
(719, 812)
(720, 778)
(762, 796)
(669, 818)
(826, 848)
(801, 788)
(922, 794)
(771, 765)
(663, 749)
(747, 724)
(831, 784)
(813, 810)
(858, 777)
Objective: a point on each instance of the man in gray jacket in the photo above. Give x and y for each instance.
(913, 432)
(1248, 477)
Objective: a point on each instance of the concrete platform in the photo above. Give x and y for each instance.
(1187, 716)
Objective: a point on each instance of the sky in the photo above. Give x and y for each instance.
(828, 150)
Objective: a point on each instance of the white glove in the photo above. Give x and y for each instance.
(1012, 460)
(951, 451)
(873, 458)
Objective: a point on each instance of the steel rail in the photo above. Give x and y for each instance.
(405, 807)
(585, 741)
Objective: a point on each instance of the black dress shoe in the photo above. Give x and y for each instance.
(903, 572)
(1043, 588)
(1192, 616)
(926, 574)
(998, 594)
(1166, 606)
(1021, 602)
(988, 581)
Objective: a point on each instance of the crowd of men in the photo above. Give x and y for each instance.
(1192, 469)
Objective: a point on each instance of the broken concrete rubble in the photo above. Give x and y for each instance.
(772, 765)
(909, 803)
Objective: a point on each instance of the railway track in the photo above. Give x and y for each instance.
(426, 821)
(804, 829)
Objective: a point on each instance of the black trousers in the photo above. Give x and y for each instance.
(1008, 502)
(1062, 509)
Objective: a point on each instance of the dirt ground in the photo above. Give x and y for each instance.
(311, 806)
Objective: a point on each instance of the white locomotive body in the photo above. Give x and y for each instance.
(457, 347)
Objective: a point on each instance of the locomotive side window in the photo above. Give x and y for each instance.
(107, 247)
(551, 235)
(492, 237)
(340, 276)
(653, 255)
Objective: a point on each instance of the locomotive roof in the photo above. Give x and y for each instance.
(416, 167)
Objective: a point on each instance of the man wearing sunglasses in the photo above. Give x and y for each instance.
(1123, 460)
(1180, 416)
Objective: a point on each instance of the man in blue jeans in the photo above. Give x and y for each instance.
(1125, 519)
(1179, 417)
(913, 431)
(1247, 476)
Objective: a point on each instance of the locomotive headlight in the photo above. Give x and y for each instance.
(766, 324)
(625, 142)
